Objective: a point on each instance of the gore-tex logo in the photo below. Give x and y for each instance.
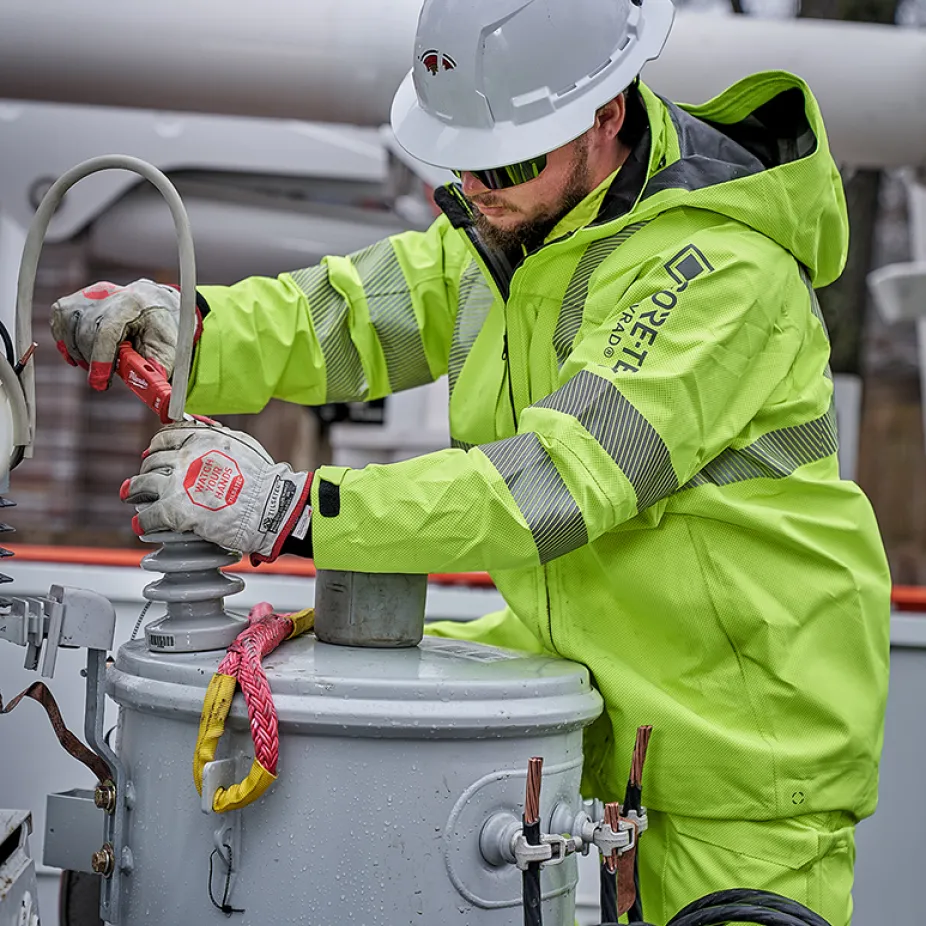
(137, 381)
(213, 481)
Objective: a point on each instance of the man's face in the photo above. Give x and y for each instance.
(524, 215)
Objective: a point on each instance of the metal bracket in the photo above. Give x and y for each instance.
(27, 624)
(552, 850)
(68, 617)
(607, 841)
(78, 618)
(222, 773)
(115, 823)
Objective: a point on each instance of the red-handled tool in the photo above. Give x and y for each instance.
(146, 380)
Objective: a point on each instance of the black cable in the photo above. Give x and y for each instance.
(8, 344)
(607, 893)
(533, 900)
(743, 905)
(633, 803)
(224, 906)
(635, 913)
(737, 913)
(755, 898)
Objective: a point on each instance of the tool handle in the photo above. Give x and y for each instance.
(145, 379)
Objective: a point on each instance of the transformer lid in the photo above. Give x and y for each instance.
(447, 688)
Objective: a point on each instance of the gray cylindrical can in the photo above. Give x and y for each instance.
(370, 609)
(391, 763)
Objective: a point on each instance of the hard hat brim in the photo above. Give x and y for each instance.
(436, 142)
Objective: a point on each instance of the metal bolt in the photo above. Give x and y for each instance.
(104, 861)
(105, 797)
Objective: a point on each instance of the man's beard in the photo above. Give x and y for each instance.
(532, 233)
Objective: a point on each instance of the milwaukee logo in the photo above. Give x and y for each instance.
(137, 381)
(213, 481)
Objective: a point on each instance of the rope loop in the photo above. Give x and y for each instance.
(265, 631)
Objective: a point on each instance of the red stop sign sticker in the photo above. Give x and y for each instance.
(213, 481)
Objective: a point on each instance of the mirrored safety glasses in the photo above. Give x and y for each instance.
(501, 178)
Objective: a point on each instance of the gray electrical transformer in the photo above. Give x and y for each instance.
(391, 764)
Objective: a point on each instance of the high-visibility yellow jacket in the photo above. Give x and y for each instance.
(644, 449)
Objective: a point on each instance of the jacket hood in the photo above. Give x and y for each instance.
(757, 153)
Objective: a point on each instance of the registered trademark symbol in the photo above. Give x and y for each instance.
(609, 352)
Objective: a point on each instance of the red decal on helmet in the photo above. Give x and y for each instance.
(101, 290)
(213, 481)
(436, 61)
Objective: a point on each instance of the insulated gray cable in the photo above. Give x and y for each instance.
(33, 249)
(13, 390)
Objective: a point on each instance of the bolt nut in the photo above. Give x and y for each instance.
(105, 797)
(103, 861)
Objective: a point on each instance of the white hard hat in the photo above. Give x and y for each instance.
(496, 82)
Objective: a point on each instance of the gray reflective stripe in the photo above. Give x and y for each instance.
(814, 301)
(392, 314)
(627, 437)
(346, 381)
(541, 495)
(460, 444)
(573, 309)
(474, 302)
(818, 313)
(774, 455)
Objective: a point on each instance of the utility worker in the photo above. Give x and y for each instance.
(621, 291)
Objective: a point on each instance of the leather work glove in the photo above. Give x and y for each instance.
(90, 325)
(222, 486)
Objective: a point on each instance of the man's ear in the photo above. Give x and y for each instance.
(610, 118)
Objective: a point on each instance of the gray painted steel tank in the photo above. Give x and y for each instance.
(391, 762)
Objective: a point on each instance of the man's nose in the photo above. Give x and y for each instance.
(471, 184)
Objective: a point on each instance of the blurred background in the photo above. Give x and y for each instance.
(269, 191)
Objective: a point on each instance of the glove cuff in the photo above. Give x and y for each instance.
(299, 509)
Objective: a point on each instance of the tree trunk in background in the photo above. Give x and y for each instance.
(844, 303)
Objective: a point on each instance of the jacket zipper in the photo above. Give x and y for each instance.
(501, 275)
(505, 357)
(546, 595)
(501, 272)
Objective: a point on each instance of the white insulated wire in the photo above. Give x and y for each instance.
(30, 261)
